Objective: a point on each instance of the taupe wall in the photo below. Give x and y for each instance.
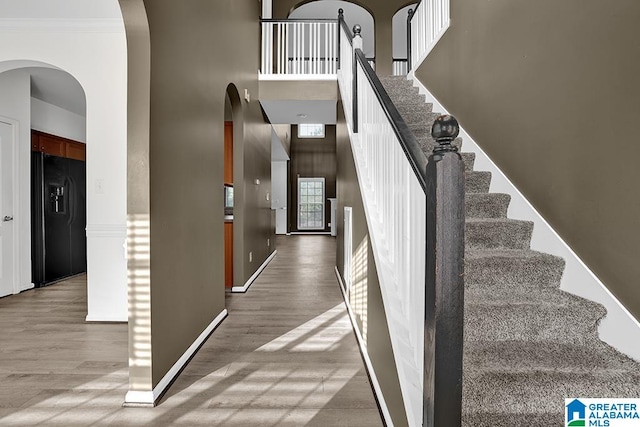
(182, 195)
(365, 297)
(382, 11)
(550, 90)
(312, 158)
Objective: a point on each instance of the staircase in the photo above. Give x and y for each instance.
(528, 345)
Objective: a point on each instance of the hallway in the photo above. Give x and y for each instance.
(286, 355)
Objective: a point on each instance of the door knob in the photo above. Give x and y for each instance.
(7, 218)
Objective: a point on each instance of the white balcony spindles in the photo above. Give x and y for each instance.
(299, 48)
(430, 21)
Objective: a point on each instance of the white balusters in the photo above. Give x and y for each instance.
(430, 21)
(399, 67)
(395, 204)
(299, 47)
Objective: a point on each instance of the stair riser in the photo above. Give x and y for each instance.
(538, 323)
(492, 205)
(488, 419)
(498, 235)
(415, 116)
(514, 271)
(534, 392)
(518, 357)
(469, 160)
(411, 101)
(404, 93)
(477, 182)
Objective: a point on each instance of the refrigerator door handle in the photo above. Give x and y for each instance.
(71, 200)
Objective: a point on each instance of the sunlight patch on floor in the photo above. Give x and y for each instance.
(314, 336)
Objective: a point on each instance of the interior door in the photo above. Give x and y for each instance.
(6, 209)
(311, 204)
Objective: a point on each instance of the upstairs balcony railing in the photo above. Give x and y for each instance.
(301, 47)
(426, 25)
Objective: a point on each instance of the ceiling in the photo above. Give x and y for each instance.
(57, 87)
(296, 112)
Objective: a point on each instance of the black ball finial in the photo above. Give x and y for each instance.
(340, 12)
(410, 13)
(357, 29)
(444, 130)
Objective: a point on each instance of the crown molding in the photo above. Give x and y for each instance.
(84, 25)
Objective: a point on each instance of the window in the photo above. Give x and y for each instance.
(311, 203)
(310, 131)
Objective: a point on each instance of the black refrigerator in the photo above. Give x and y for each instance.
(58, 218)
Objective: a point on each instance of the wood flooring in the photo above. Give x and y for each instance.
(285, 356)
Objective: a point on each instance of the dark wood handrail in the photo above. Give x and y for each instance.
(416, 157)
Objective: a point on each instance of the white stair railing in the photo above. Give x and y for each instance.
(430, 21)
(299, 47)
(414, 208)
(395, 206)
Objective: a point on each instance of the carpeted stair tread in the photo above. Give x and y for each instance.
(521, 356)
(477, 181)
(516, 267)
(497, 233)
(538, 322)
(486, 205)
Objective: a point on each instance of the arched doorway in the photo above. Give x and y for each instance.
(234, 194)
(96, 58)
(43, 190)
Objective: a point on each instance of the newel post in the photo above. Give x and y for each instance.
(444, 294)
(357, 44)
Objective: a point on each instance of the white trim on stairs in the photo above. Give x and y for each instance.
(365, 356)
(619, 328)
(255, 275)
(149, 398)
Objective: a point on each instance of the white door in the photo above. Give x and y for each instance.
(311, 203)
(6, 209)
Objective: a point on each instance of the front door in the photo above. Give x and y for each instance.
(6, 209)
(310, 203)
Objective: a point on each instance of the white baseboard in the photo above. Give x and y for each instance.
(255, 275)
(106, 318)
(148, 398)
(365, 355)
(619, 328)
(26, 287)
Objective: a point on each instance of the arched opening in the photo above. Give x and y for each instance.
(43, 121)
(55, 53)
(353, 14)
(400, 53)
(233, 194)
